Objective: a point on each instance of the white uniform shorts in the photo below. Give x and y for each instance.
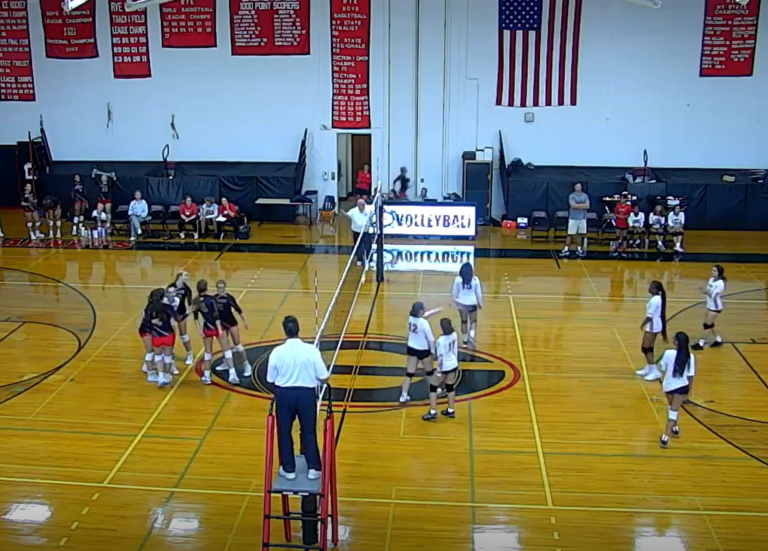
(577, 227)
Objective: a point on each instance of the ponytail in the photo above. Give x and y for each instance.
(663, 294)
(197, 303)
(683, 355)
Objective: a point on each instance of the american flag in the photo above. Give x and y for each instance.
(538, 53)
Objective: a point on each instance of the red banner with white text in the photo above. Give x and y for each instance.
(16, 80)
(189, 24)
(350, 50)
(269, 27)
(730, 38)
(130, 43)
(69, 35)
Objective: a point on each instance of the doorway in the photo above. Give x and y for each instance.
(353, 151)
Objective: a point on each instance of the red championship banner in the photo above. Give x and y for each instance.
(16, 81)
(69, 35)
(350, 48)
(730, 37)
(189, 24)
(130, 44)
(269, 27)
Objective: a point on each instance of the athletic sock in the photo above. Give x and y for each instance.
(718, 338)
(703, 343)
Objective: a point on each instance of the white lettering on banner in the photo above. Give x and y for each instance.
(430, 219)
(426, 258)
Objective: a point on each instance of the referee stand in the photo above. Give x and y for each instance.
(322, 490)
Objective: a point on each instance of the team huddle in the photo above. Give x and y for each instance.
(167, 313)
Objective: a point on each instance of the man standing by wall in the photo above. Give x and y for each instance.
(296, 368)
(578, 203)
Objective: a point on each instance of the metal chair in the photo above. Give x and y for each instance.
(540, 223)
(560, 224)
(120, 221)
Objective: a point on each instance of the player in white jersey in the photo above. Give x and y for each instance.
(676, 223)
(467, 294)
(636, 227)
(447, 349)
(656, 223)
(655, 322)
(421, 346)
(679, 367)
(714, 291)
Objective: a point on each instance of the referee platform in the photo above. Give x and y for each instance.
(318, 497)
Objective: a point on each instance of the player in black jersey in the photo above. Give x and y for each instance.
(52, 215)
(183, 294)
(29, 205)
(104, 202)
(79, 204)
(145, 332)
(205, 309)
(227, 306)
(161, 316)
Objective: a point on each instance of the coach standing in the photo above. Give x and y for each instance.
(578, 203)
(296, 368)
(358, 217)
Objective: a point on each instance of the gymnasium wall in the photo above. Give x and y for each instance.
(433, 87)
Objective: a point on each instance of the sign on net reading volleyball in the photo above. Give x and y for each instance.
(426, 258)
(430, 219)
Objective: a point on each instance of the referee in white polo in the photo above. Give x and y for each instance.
(358, 217)
(296, 368)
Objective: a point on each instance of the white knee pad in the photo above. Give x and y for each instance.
(148, 357)
(168, 359)
(207, 356)
(185, 338)
(158, 358)
(671, 415)
(228, 354)
(239, 348)
(58, 223)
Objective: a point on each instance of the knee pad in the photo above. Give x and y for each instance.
(671, 415)
(168, 359)
(29, 225)
(450, 387)
(58, 223)
(185, 338)
(708, 326)
(228, 354)
(409, 374)
(158, 358)
(148, 357)
(433, 389)
(207, 356)
(429, 373)
(239, 348)
(647, 349)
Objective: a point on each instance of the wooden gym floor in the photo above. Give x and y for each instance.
(555, 445)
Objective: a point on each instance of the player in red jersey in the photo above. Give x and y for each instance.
(622, 210)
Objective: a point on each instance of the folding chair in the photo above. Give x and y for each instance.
(560, 224)
(607, 227)
(173, 218)
(326, 214)
(539, 223)
(593, 225)
(120, 221)
(157, 217)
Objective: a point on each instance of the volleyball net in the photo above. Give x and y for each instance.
(335, 323)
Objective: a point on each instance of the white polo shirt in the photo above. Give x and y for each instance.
(358, 219)
(296, 363)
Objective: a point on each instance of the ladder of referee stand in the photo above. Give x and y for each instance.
(309, 491)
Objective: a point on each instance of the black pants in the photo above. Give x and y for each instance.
(301, 402)
(191, 224)
(364, 250)
(233, 222)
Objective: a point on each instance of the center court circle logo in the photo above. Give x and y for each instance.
(375, 383)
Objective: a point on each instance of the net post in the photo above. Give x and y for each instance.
(317, 308)
(380, 238)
